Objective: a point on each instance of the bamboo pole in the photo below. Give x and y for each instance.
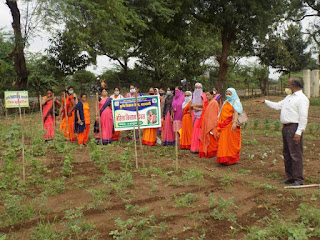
(22, 139)
(138, 121)
(176, 138)
(98, 113)
(66, 115)
(303, 186)
(41, 116)
(6, 122)
(135, 145)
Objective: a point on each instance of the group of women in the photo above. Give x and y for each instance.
(200, 121)
(203, 123)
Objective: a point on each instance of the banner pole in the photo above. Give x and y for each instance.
(135, 145)
(22, 139)
(98, 113)
(6, 117)
(139, 130)
(176, 137)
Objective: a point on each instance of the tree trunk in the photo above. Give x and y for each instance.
(226, 39)
(18, 51)
(125, 70)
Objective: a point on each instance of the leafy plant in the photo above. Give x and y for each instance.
(185, 200)
(277, 125)
(266, 123)
(256, 123)
(222, 208)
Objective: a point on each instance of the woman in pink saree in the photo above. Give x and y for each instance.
(198, 104)
(106, 118)
(48, 114)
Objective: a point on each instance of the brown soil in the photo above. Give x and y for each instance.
(252, 203)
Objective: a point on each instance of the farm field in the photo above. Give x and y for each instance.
(95, 192)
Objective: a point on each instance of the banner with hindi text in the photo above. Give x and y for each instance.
(125, 116)
(11, 99)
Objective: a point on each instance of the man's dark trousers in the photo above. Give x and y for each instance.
(292, 153)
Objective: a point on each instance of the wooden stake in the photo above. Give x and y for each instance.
(135, 146)
(6, 122)
(22, 136)
(66, 115)
(139, 130)
(303, 186)
(176, 137)
(41, 117)
(98, 112)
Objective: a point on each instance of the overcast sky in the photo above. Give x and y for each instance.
(40, 43)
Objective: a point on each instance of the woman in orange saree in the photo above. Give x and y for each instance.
(149, 136)
(186, 130)
(71, 105)
(48, 114)
(209, 138)
(230, 135)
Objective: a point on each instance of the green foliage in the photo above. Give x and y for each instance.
(193, 174)
(279, 227)
(15, 210)
(266, 123)
(7, 72)
(244, 171)
(222, 208)
(286, 51)
(54, 187)
(67, 165)
(100, 197)
(256, 123)
(226, 180)
(314, 101)
(277, 125)
(185, 200)
(45, 231)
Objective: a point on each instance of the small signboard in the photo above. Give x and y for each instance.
(12, 101)
(125, 116)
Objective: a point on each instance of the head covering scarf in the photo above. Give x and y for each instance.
(187, 100)
(196, 99)
(234, 100)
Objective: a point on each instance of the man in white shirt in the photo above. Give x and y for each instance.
(294, 116)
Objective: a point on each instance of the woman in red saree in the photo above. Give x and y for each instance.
(48, 114)
(209, 138)
(230, 135)
(106, 118)
(199, 103)
(186, 129)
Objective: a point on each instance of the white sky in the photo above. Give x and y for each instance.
(40, 43)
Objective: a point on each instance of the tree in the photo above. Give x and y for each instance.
(83, 81)
(239, 24)
(66, 55)
(18, 51)
(286, 52)
(7, 71)
(42, 74)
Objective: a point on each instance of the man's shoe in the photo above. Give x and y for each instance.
(287, 181)
(295, 184)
